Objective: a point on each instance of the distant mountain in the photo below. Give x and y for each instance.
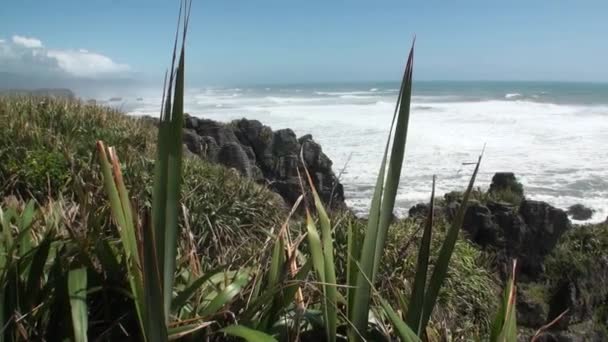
(46, 92)
(82, 87)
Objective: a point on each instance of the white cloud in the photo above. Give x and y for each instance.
(83, 63)
(2, 41)
(28, 55)
(27, 42)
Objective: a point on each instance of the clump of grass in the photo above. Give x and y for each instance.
(577, 252)
(579, 262)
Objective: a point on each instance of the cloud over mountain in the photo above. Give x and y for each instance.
(28, 56)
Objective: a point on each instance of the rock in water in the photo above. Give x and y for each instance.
(265, 156)
(580, 212)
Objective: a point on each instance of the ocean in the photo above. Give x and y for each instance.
(553, 136)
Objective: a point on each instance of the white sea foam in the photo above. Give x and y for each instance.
(556, 150)
(512, 95)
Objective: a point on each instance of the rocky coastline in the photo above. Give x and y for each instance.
(501, 221)
(266, 156)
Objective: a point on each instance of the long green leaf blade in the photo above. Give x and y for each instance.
(404, 332)
(395, 164)
(126, 229)
(174, 185)
(316, 251)
(352, 269)
(182, 297)
(248, 334)
(330, 291)
(441, 266)
(77, 289)
(373, 243)
(504, 326)
(414, 311)
(156, 328)
(36, 271)
(227, 294)
(181, 331)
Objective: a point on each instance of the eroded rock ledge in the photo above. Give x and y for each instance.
(266, 156)
(561, 267)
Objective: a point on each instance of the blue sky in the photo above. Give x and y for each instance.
(245, 41)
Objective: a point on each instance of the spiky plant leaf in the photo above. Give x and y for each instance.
(77, 289)
(504, 326)
(330, 291)
(414, 311)
(381, 209)
(241, 279)
(248, 334)
(183, 296)
(404, 332)
(445, 253)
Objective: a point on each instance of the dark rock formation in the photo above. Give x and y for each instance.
(233, 155)
(527, 232)
(506, 181)
(479, 225)
(543, 226)
(420, 210)
(580, 212)
(560, 267)
(265, 156)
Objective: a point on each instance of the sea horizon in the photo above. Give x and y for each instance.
(521, 124)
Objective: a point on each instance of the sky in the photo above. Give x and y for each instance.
(263, 42)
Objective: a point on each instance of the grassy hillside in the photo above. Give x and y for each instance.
(47, 151)
(47, 154)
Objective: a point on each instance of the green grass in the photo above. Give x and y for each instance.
(52, 142)
(471, 288)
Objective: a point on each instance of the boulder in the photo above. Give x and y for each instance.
(545, 224)
(506, 181)
(479, 225)
(232, 155)
(580, 212)
(190, 122)
(313, 154)
(257, 136)
(193, 142)
(218, 131)
(284, 142)
(420, 210)
(210, 149)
